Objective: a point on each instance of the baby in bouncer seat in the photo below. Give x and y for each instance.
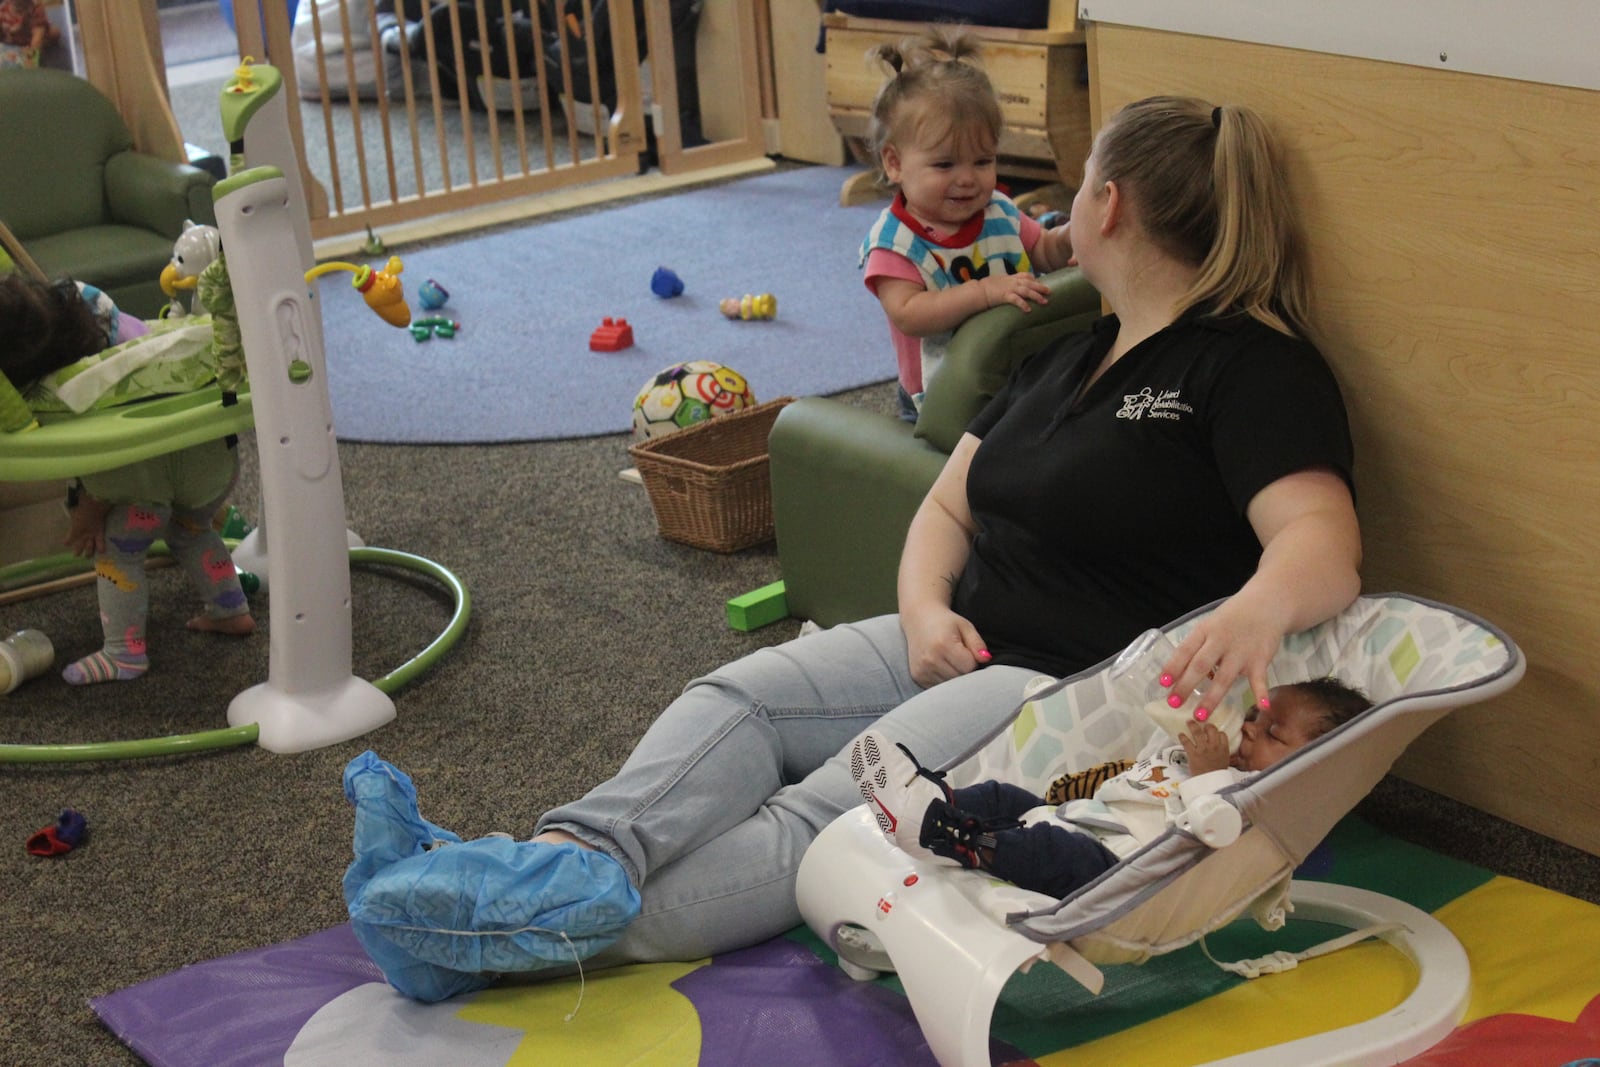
(1092, 819)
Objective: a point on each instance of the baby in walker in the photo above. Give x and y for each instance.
(117, 515)
(1093, 818)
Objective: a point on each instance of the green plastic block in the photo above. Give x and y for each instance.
(757, 608)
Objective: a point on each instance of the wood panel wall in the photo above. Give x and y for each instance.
(1455, 227)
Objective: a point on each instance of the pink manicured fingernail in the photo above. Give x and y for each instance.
(1202, 714)
(1174, 701)
(1166, 680)
(983, 653)
(1263, 703)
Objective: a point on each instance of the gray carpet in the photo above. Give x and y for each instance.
(529, 297)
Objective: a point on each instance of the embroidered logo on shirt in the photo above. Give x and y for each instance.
(1149, 404)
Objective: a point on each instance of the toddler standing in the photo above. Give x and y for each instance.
(950, 245)
(117, 515)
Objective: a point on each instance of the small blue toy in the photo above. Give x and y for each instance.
(666, 284)
(432, 295)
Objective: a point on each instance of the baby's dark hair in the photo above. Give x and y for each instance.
(936, 87)
(1338, 701)
(47, 326)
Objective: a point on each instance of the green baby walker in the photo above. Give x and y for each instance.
(310, 698)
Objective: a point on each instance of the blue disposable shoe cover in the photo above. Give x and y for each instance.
(388, 826)
(493, 905)
(411, 976)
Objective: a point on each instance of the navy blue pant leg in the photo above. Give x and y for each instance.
(1045, 857)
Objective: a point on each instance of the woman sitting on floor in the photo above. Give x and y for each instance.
(1192, 446)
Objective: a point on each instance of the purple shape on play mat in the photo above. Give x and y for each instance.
(778, 1005)
(238, 1011)
(775, 1004)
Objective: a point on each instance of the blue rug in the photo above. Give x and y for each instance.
(528, 299)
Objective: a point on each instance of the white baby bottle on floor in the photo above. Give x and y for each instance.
(25, 654)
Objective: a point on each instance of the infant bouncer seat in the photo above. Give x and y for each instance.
(955, 937)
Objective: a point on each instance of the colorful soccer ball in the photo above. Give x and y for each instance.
(686, 393)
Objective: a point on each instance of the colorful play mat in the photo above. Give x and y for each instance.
(318, 1002)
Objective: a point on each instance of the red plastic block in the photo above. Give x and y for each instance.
(613, 336)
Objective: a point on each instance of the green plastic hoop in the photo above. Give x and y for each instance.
(207, 740)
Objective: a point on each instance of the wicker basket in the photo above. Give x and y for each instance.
(708, 484)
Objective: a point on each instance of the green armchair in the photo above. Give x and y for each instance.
(846, 481)
(80, 199)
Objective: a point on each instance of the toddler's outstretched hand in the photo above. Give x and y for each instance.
(1019, 290)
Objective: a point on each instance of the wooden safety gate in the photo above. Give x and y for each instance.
(412, 109)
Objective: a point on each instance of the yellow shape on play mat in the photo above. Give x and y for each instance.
(1532, 950)
(1340, 989)
(629, 1017)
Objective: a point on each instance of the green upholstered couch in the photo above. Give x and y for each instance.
(80, 199)
(846, 481)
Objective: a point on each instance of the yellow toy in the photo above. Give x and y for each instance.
(763, 306)
(379, 288)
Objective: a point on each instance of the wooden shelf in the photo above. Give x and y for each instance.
(1071, 33)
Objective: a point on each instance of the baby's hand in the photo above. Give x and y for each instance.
(1020, 290)
(86, 532)
(1206, 747)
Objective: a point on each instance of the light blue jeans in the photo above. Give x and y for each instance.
(712, 812)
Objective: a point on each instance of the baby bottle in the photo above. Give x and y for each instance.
(1136, 680)
(25, 654)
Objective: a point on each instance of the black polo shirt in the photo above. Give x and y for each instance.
(1103, 515)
